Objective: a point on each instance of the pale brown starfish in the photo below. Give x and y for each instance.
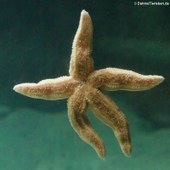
(84, 87)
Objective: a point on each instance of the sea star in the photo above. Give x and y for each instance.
(84, 87)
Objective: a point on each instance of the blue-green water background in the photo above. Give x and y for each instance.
(35, 44)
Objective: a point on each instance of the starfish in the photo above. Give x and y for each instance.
(84, 87)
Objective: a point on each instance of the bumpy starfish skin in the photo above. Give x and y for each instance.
(84, 87)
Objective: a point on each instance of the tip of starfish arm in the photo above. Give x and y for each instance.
(159, 79)
(20, 88)
(162, 78)
(84, 12)
(16, 87)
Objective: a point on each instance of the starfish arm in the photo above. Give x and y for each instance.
(80, 123)
(49, 89)
(81, 63)
(120, 79)
(109, 113)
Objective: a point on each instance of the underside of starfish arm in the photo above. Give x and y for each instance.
(109, 113)
(81, 63)
(49, 89)
(80, 123)
(120, 79)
